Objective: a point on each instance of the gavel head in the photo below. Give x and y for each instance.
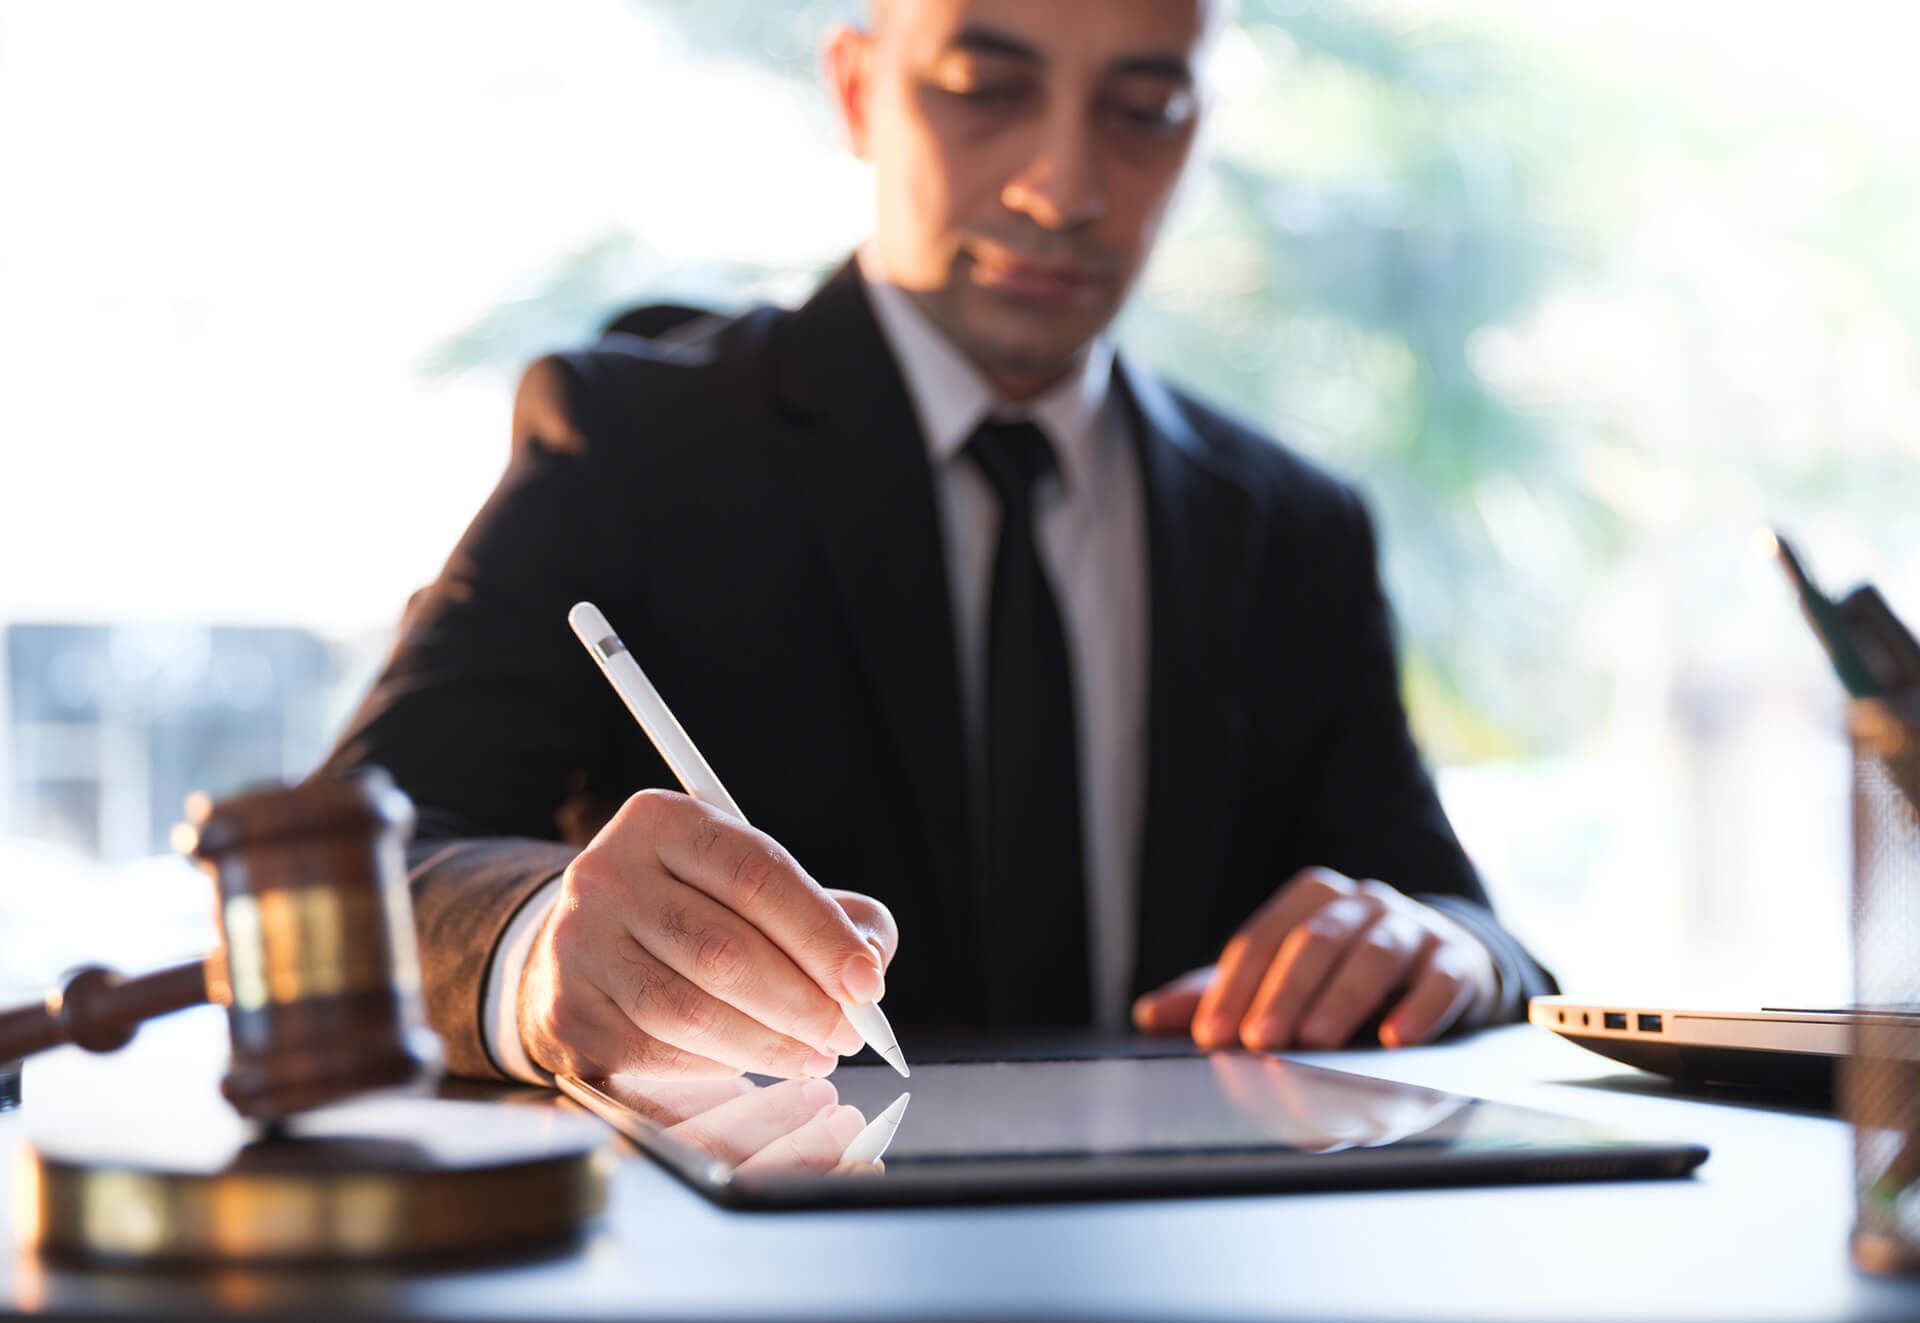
(317, 967)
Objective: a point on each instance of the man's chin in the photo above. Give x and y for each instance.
(1030, 342)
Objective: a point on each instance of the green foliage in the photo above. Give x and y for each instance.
(1371, 208)
(1401, 254)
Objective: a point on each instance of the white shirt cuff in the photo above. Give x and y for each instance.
(500, 1010)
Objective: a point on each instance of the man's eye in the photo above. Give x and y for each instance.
(1164, 114)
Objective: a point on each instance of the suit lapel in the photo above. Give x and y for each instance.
(1203, 526)
(856, 456)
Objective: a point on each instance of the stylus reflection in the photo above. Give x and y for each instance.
(797, 1125)
(871, 1144)
(1318, 1112)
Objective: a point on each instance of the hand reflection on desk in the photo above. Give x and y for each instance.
(1320, 1113)
(793, 1125)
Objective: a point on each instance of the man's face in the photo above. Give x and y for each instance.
(1024, 152)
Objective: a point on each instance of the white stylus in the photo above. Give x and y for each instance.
(694, 773)
(870, 1143)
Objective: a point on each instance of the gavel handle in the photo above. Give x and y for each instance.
(99, 1010)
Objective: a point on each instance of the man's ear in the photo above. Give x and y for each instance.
(850, 79)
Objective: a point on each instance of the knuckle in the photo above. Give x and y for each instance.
(829, 937)
(568, 934)
(1326, 882)
(676, 924)
(785, 1057)
(866, 912)
(640, 980)
(719, 960)
(708, 830)
(1324, 927)
(1374, 889)
(817, 1020)
(755, 873)
(588, 878)
(1380, 944)
(645, 808)
(697, 1014)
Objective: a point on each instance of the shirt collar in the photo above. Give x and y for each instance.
(951, 398)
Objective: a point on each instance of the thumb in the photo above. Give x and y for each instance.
(873, 921)
(1169, 1009)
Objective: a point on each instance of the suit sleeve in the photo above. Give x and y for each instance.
(488, 713)
(1371, 808)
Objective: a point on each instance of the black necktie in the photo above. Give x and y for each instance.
(1032, 883)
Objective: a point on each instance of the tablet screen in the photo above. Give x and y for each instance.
(1228, 1119)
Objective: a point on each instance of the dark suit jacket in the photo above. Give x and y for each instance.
(754, 511)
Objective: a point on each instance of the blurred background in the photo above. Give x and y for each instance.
(1584, 294)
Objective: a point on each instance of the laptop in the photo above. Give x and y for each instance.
(1783, 1049)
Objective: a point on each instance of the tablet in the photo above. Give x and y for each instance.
(1097, 1128)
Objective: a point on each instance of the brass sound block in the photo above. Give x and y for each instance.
(378, 1179)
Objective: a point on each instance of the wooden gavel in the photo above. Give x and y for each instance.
(317, 966)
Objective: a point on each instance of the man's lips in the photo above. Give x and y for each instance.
(1040, 280)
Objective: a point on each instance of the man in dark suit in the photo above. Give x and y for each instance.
(1089, 690)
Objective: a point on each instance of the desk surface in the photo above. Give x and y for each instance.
(1760, 1233)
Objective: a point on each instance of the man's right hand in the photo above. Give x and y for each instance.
(686, 944)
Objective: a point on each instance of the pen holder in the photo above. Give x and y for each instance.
(1880, 1083)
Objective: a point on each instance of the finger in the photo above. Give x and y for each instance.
(1372, 968)
(1305, 960)
(872, 920)
(1169, 1009)
(673, 1009)
(751, 874)
(585, 1033)
(1437, 997)
(740, 1127)
(815, 1146)
(878, 1167)
(1247, 957)
(669, 1102)
(725, 955)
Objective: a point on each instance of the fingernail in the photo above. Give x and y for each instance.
(817, 1093)
(819, 1065)
(862, 979)
(1317, 1031)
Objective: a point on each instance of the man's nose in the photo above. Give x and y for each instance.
(1060, 186)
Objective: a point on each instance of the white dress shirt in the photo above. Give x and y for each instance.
(1091, 529)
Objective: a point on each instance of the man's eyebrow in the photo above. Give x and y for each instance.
(983, 39)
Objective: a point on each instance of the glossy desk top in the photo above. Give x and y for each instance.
(1760, 1233)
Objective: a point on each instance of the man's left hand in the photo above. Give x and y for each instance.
(1319, 960)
